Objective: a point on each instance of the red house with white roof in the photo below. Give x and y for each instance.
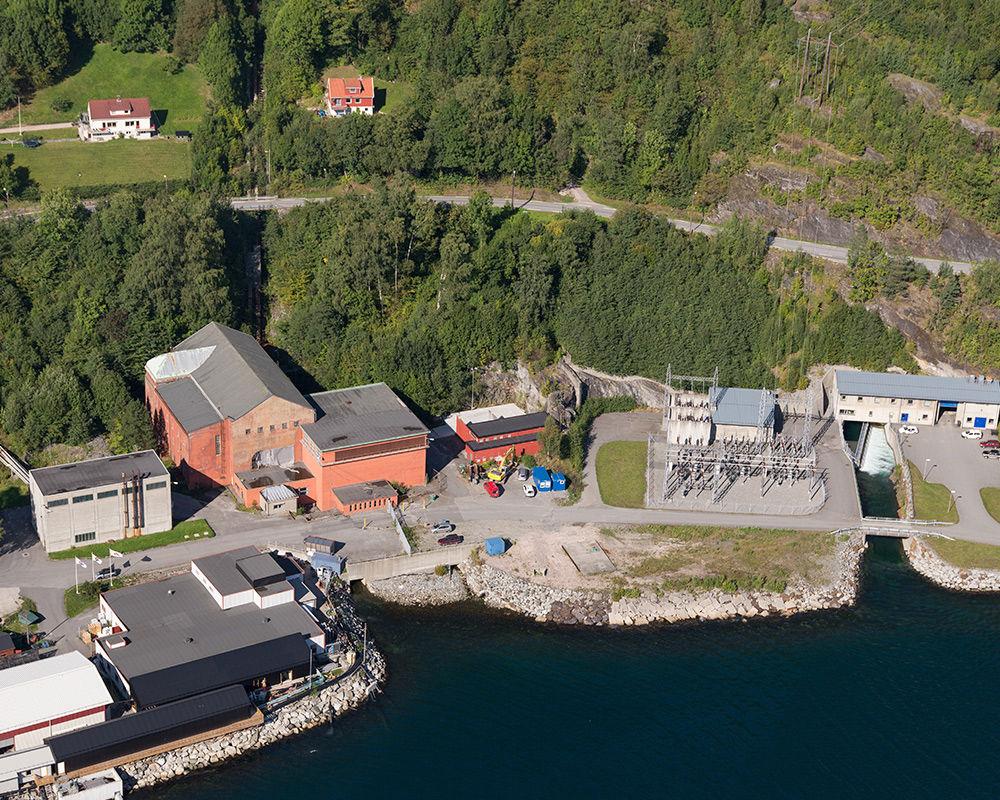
(350, 96)
(123, 117)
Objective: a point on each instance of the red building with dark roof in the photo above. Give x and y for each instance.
(123, 117)
(350, 96)
(493, 438)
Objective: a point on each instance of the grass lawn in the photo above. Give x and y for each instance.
(13, 624)
(990, 496)
(77, 600)
(178, 100)
(966, 555)
(621, 474)
(931, 500)
(182, 531)
(732, 559)
(12, 491)
(57, 164)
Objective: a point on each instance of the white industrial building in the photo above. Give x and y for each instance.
(100, 500)
(725, 414)
(50, 696)
(886, 397)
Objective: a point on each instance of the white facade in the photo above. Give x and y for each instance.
(908, 411)
(121, 118)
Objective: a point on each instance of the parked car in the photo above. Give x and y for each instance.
(529, 489)
(909, 429)
(523, 473)
(969, 433)
(493, 489)
(991, 453)
(32, 143)
(443, 526)
(990, 443)
(451, 538)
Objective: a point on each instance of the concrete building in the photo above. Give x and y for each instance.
(884, 397)
(233, 619)
(50, 696)
(726, 413)
(228, 416)
(350, 96)
(100, 500)
(123, 117)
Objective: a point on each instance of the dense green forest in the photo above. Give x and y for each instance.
(655, 102)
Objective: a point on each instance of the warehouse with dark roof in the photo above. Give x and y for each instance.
(489, 439)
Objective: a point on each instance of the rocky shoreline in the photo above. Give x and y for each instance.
(420, 589)
(929, 564)
(498, 588)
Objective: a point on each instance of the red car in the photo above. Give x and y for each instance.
(493, 489)
(990, 443)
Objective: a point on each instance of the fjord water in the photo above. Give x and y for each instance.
(896, 697)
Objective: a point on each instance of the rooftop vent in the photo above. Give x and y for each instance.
(189, 640)
(171, 591)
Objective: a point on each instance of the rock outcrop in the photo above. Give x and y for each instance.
(929, 564)
(420, 590)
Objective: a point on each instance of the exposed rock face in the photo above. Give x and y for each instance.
(500, 589)
(929, 564)
(420, 590)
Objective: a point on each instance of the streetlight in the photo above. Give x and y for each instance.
(927, 467)
(164, 183)
(952, 499)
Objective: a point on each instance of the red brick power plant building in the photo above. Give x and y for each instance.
(228, 416)
(488, 439)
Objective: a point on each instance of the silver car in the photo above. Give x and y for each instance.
(444, 526)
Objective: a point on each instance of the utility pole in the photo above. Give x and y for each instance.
(826, 69)
(512, 179)
(805, 65)
(267, 152)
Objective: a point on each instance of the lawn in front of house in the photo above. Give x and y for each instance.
(77, 599)
(122, 161)
(188, 530)
(178, 100)
(389, 95)
(965, 555)
(621, 474)
(931, 500)
(699, 557)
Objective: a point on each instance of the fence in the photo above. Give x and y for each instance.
(397, 520)
(17, 467)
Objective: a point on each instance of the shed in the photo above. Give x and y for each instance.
(558, 482)
(320, 544)
(495, 546)
(327, 564)
(276, 499)
(541, 478)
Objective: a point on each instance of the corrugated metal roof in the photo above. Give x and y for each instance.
(361, 415)
(239, 665)
(188, 404)
(238, 375)
(22, 761)
(51, 687)
(275, 494)
(498, 427)
(917, 387)
(97, 472)
(164, 718)
(736, 406)
(359, 492)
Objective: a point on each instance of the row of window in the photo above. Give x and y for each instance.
(271, 429)
(849, 412)
(892, 400)
(86, 498)
(82, 538)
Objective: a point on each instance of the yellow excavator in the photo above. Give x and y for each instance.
(499, 471)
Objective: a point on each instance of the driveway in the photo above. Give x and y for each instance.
(945, 457)
(48, 126)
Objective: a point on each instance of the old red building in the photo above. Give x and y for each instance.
(488, 439)
(228, 416)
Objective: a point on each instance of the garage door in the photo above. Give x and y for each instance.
(979, 422)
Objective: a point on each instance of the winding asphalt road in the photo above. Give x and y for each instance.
(581, 202)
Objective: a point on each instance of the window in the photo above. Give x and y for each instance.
(246, 432)
(284, 426)
(968, 419)
(849, 411)
(60, 502)
(924, 416)
(860, 399)
(260, 429)
(109, 493)
(83, 498)
(295, 424)
(80, 538)
(218, 445)
(271, 429)
(157, 485)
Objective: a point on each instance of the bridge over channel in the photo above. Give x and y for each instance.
(380, 568)
(17, 467)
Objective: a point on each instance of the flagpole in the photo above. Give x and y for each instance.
(76, 577)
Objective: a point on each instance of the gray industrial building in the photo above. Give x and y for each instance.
(100, 500)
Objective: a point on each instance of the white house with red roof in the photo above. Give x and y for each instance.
(123, 117)
(350, 96)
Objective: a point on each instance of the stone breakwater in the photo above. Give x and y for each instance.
(298, 716)
(500, 589)
(420, 590)
(929, 564)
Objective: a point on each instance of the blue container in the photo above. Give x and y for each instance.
(495, 546)
(541, 478)
(558, 482)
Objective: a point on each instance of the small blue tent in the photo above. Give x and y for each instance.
(495, 546)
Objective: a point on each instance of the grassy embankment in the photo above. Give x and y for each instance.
(13, 624)
(12, 491)
(990, 495)
(181, 532)
(699, 557)
(965, 555)
(931, 500)
(621, 474)
(178, 99)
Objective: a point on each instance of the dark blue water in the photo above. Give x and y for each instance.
(894, 698)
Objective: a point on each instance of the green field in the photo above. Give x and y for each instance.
(965, 555)
(990, 495)
(931, 500)
(121, 161)
(621, 474)
(181, 532)
(178, 100)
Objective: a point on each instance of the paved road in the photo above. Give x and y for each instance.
(581, 202)
(48, 126)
